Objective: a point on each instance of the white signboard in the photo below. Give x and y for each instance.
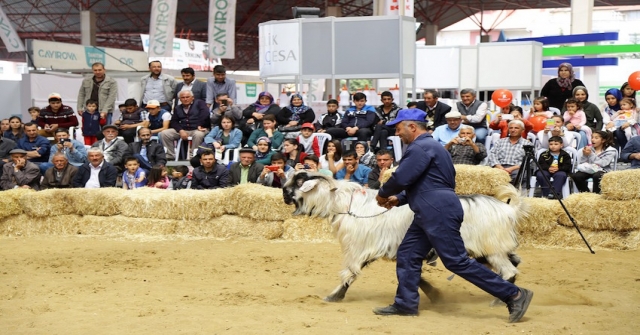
(8, 34)
(398, 7)
(279, 49)
(222, 28)
(66, 56)
(162, 27)
(186, 53)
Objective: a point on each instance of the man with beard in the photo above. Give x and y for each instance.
(112, 148)
(210, 175)
(148, 153)
(100, 88)
(157, 86)
(60, 175)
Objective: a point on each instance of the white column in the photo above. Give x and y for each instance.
(87, 28)
(581, 23)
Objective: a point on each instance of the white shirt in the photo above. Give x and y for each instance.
(94, 180)
(324, 163)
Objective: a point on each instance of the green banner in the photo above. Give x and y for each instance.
(251, 90)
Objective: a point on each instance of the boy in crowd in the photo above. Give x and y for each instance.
(132, 118)
(331, 118)
(276, 174)
(91, 122)
(134, 176)
(34, 112)
(308, 140)
(180, 179)
(555, 163)
(357, 121)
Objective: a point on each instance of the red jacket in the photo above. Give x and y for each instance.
(64, 118)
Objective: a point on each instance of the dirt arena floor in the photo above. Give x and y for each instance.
(98, 285)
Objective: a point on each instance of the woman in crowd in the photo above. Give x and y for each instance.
(290, 118)
(591, 111)
(595, 161)
(16, 130)
(611, 106)
(365, 156)
(263, 151)
(293, 152)
(559, 89)
(332, 160)
(252, 115)
(221, 138)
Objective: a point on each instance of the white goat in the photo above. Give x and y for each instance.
(367, 232)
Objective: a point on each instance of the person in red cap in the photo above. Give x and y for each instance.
(308, 139)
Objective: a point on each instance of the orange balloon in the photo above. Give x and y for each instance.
(634, 81)
(502, 98)
(538, 122)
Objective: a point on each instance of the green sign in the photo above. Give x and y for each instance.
(251, 90)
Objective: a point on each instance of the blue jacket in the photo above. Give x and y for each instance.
(633, 146)
(40, 142)
(91, 124)
(215, 135)
(360, 175)
(427, 177)
(77, 157)
(155, 122)
(364, 118)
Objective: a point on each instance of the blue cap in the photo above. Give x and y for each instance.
(411, 114)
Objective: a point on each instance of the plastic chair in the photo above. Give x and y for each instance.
(577, 137)
(179, 151)
(566, 188)
(590, 180)
(322, 139)
(397, 147)
(230, 156)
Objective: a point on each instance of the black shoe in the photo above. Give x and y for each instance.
(391, 310)
(432, 257)
(517, 307)
(550, 196)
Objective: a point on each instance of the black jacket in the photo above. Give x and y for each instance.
(247, 113)
(438, 113)
(328, 120)
(254, 173)
(6, 145)
(107, 176)
(284, 116)
(217, 178)
(556, 94)
(198, 116)
(564, 161)
(155, 152)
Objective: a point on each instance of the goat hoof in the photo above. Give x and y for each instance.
(332, 299)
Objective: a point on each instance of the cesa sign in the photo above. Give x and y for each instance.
(279, 49)
(66, 56)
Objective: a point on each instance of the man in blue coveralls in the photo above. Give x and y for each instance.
(425, 179)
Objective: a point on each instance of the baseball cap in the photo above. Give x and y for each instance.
(153, 103)
(55, 96)
(308, 125)
(410, 114)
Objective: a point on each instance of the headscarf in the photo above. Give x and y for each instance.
(617, 94)
(297, 111)
(566, 82)
(261, 155)
(260, 107)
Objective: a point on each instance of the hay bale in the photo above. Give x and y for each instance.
(568, 238)
(593, 211)
(10, 201)
(304, 228)
(98, 201)
(183, 205)
(229, 226)
(258, 202)
(543, 219)
(621, 185)
(48, 203)
(25, 225)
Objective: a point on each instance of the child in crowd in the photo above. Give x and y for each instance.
(595, 161)
(332, 159)
(541, 108)
(180, 179)
(626, 118)
(133, 176)
(91, 122)
(158, 177)
(555, 163)
(276, 174)
(308, 140)
(557, 129)
(357, 121)
(575, 120)
(4, 126)
(35, 114)
(331, 118)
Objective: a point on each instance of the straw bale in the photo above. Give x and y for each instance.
(568, 238)
(592, 211)
(182, 205)
(304, 228)
(10, 201)
(621, 185)
(25, 225)
(97, 201)
(258, 202)
(48, 203)
(543, 218)
(230, 226)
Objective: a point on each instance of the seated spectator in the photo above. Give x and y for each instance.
(473, 113)
(353, 171)
(132, 118)
(575, 120)
(331, 118)
(365, 156)
(159, 118)
(625, 121)
(158, 178)
(276, 174)
(20, 173)
(147, 152)
(97, 173)
(436, 110)
(225, 107)
(6, 145)
(385, 113)
(507, 153)
(357, 121)
(225, 136)
(252, 115)
(113, 149)
(293, 152)
(332, 160)
(308, 140)
(413, 104)
(596, 160)
(133, 176)
(555, 163)
(210, 175)
(311, 163)
(384, 161)
(556, 130)
(60, 175)
(541, 108)
(4, 126)
(36, 146)
(264, 152)
(16, 130)
(631, 152)
(92, 122)
(464, 150)
(191, 119)
(180, 178)
(34, 113)
(268, 130)
(445, 133)
(503, 125)
(291, 118)
(247, 170)
(55, 116)
(612, 97)
(73, 150)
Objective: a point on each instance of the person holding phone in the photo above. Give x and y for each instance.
(276, 174)
(225, 107)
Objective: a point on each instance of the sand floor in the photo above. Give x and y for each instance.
(99, 285)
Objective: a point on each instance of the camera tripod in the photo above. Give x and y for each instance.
(525, 166)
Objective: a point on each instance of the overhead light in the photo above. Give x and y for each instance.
(305, 12)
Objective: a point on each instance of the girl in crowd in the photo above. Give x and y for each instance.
(263, 151)
(4, 125)
(575, 120)
(365, 156)
(625, 121)
(16, 130)
(225, 136)
(627, 91)
(294, 115)
(293, 152)
(612, 105)
(332, 160)
(541, 108)
(591, 111)
(559, 89)
(595, 161)
(158, 177)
